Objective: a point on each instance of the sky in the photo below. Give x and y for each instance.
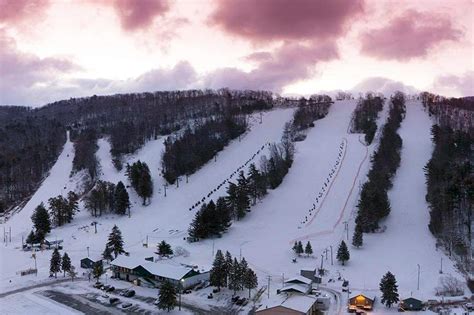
(58, 49)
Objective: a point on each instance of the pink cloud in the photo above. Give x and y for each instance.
(20, 71)
(135, 15)
(410, 35)
(14, 11)
(462, 85)
(266, 20)
(288, 64)
(382, 85)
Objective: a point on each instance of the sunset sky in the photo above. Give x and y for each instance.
(57, 49)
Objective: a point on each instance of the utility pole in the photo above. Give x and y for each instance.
(441, 270)
(164, 186)
(418, 284)
(147, 241)
(261, 117)
(322, 258)
(212, 248)
(331, 255)
(87, 251)
(346, 227)
(10, 234)
(177, 182)
(269, 278)
(326, 252)
(187, 178)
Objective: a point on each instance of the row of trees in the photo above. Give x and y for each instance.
(214, 219)
(107, 197)
(310, 110)
(298, 249)
(373, 203)
(450, 181)
(61, 210)
(196, 146)
(85, 147)
(58, 263)
(364, 118)
(140, 178)
(231, 273)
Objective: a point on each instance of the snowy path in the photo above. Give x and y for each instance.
(407, 240)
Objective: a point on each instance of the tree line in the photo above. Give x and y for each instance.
(309, 110)
(213, 219)
(364, 118)
(450, 195)
(373, 202)
(140, 178)
(60, 211)
(197, 145)
(106, 197)
(228, 272)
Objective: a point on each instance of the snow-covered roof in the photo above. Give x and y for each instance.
(127, 262)
(367, 294)
(94, 257)
(296, 287)
(161, 269)
(299, 279)
(166, 270)
(300, 303)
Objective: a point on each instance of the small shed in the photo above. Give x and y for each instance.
(90, 262)
(362, 300)
(411, 304)
(292, 304)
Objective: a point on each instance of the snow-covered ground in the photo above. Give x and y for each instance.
(266, 235)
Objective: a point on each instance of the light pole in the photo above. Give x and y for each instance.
(441, 270)
(331, 255)
(418, 284)
(180, 292)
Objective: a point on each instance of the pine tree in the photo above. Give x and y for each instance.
(299, 248)
(72, 206)
(196, 228)
(295, 248)
(66, 263)
(167, 297)
(243, 200)
(41, 221)
(235, 276)
(164, 249)
(55, 263)
(139, 175)
(250, 280)
(218, 274)
(115, 242)
(31, 238)
(343, 253)
(389, 288)
(227, 267)
(232, 198)
(97, 271)
(107, 254)
(357, 238)
(308, 250)
(224, 215)
(121, 199)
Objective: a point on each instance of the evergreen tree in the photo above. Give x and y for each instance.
(295, 248)
(223, 214)
(250, 280)
(389, 288)
(218, 273)
(196, 228)
(167, 297)
(343, 253)
(97, 271)
(357, 238)
(299, 248)
(235, 276)
(308, 250)
(232, 198)
(164, 249)
(72, 206)
(66, 263)
(140, 178)
(41, 221)
(115, 242)
(55, 263)
(107, 254)
(31, 238)
(121, 199)
(227, 267)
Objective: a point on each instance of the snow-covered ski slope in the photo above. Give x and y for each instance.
(407, 240)
(329, 155)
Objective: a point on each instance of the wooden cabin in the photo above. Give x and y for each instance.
(361, 301)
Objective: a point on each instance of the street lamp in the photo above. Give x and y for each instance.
(180, 291)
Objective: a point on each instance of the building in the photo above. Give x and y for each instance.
(411, 304)
(298, 284)
(90, 262)
(361, 300)
(146, 273)
(49, 244)
(311, 273)
(292, 304)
